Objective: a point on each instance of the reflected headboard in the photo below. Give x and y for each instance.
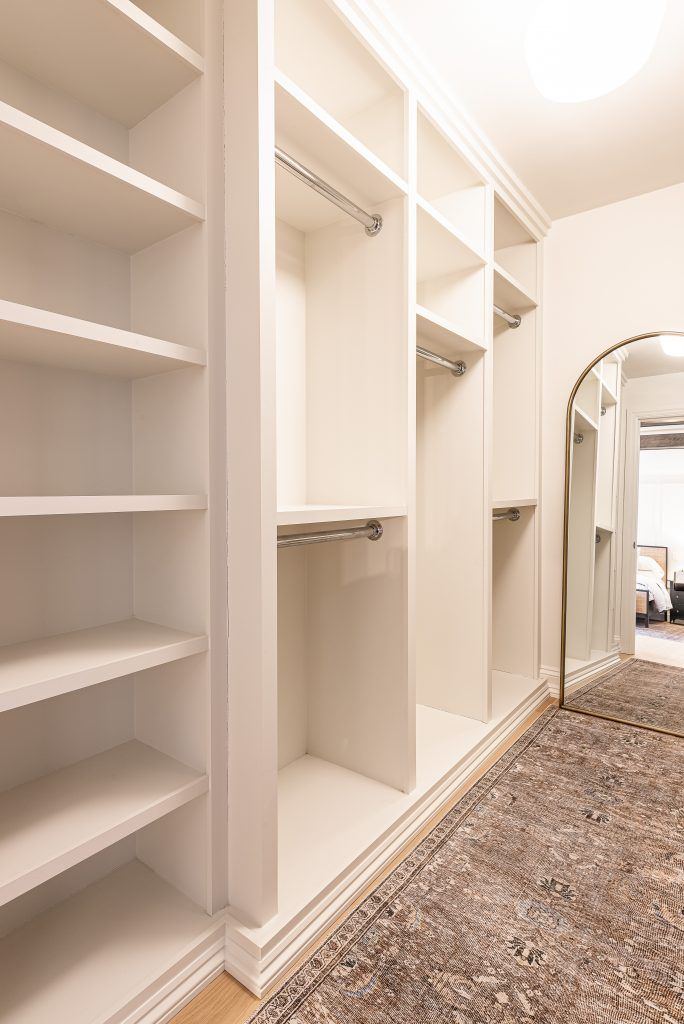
(657, 553)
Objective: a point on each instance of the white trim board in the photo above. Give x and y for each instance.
(259, 958)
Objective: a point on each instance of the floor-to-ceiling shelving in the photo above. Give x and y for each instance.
(367, 679)
(112, 537)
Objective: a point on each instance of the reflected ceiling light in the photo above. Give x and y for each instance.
(580, 49)
(672, 345)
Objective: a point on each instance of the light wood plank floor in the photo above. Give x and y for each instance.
(225, 1001)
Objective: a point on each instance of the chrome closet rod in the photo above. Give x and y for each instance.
(512, 319)
(512, 514)
(458, 368)
(372, 530)
(371, 221)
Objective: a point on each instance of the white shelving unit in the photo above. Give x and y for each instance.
(367, 679)
(112, 507)
(592, 632)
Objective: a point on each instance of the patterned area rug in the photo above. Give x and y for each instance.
(664, 631)
(553, 893)
(637, 691)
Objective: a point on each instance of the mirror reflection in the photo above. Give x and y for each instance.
(624, 543)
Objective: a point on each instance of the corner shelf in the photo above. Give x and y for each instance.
(299, 515)
(108, 54)
(40, 669)
(28, 334)
(89, 504)
(443, 333)
(510, 294)
(50, 177)
(311, 135)
(62, 818)
(99, 949)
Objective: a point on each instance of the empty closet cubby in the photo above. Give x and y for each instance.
(514, 608)
(450, 185)
(515, 413)
(321, 55)
(515, 261)
(341, 334)
(581, 536)
(451, 671)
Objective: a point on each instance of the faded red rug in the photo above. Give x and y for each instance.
(553, 893)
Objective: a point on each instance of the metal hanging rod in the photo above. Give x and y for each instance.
(512, 319)
(458, 368)
(512, 514)
(371, 221)
(372, 530)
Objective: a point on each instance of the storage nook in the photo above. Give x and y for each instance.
(110, 462)
(516, 453)
(383, 631)
(592, 642)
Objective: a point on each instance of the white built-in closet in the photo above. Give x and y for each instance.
(592, 633)
(112, 507)
(369, 379)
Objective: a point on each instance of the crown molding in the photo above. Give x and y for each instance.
(404, 59)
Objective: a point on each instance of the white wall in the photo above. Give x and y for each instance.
(661, 502)
(610, 273)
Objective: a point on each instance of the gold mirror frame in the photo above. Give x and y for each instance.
(566, 517)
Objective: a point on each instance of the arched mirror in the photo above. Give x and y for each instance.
(622, 653)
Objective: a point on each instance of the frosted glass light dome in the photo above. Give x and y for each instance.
(579, 49)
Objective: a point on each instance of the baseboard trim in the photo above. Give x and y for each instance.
(181, 982)
(580, 675)
(259, 960)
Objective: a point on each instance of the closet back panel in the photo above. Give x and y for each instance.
(601, 640)
(451, 514)
(342, 377)
(343, 663)
(514, 581)
(606, 463)
(514, 472)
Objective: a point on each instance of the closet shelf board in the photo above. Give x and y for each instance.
(443, 334)
(604, 529)
(31, 335)
(477, 256)
(440, 249)
(88, 504)
(517, 502)
(510, 294)
(295, 515)
(583, 420)
(312, 136)
(89, 956)
(60, 819)
(40, 669)
(107, 54)
(50, 177)
(608, 396)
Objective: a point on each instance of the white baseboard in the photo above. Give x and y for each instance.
(181, 982)
(581, 675)
(260, 958)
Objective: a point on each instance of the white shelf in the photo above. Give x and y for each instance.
(88, 504)
(50, 177)
(32, 335)
(517, 502)
(604, 529)
(583, 420)
(608, 396)
(308, 133)
(40, 669)
(93, 953)
(108, 54)
(444, 334)
(440, 248)
(509, 294)
(296, 515)
(60, 819)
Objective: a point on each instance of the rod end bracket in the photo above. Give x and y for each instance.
(376, 227)
(376, 527)
(459, 368)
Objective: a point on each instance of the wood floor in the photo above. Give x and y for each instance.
(225, 1001)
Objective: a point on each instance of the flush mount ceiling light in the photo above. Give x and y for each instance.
(672, 345)
(579, 49)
